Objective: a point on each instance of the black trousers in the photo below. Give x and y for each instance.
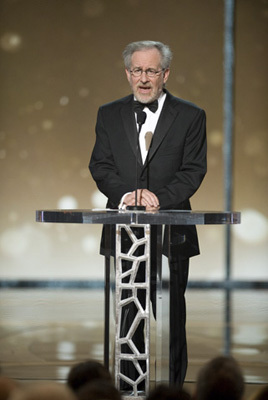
(178, 360)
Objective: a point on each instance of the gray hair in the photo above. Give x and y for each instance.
(164, 50)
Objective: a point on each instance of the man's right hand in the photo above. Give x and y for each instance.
(144, 198)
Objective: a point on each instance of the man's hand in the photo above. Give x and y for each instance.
(144, 198)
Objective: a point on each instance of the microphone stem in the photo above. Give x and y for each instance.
(141, 117)
(137, 150)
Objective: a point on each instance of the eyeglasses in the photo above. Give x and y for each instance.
(150, 72)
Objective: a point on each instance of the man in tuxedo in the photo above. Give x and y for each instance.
(171, 167)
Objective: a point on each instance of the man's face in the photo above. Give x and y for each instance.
(145, 88)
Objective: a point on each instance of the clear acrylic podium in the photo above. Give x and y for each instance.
(130, 260)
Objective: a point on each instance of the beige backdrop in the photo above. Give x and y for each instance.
(60, 60)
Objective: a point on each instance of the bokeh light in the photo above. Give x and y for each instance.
(98, 200)
(67, 203)
(90, 244)
(10, 42)
(253, 227)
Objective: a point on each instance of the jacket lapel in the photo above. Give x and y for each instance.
(166, 118)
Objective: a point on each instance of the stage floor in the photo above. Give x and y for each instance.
(43, 332)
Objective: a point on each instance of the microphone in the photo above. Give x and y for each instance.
(141, 118)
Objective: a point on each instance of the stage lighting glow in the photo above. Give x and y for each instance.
(98, 200)
(64, 100)
(66, 350)
(250, 334)
(253, 227)
(90, 244)
(67, 203)
(10, 42)
(215, 138)
(47, 124)
(97, 350)
(62, 372)
(16, 242)
(246, 351)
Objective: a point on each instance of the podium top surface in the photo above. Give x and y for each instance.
(163, 217)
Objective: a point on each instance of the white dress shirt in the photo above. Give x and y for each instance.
(148, 126)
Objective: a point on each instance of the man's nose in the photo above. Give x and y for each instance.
(144, 77)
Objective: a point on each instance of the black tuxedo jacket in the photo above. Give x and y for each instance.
(174, 168)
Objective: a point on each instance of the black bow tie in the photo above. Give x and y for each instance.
(153, 106)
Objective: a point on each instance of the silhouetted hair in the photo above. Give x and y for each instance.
(86, 372)
(221, 379)
(98, 390)
(165, 392)
(7, 386)
(164, 50)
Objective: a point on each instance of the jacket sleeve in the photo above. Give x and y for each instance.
(103, 167)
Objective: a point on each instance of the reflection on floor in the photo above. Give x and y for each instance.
(44, 332)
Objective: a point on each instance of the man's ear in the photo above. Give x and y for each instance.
(128, 74)
(166, 75)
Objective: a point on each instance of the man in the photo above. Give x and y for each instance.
(170, 168)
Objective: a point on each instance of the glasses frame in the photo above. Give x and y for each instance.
(137, 72)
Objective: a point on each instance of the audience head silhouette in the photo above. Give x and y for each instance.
(165, 392)
(221, 379)
(7, 386)
(86, 372)
(98, 390)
